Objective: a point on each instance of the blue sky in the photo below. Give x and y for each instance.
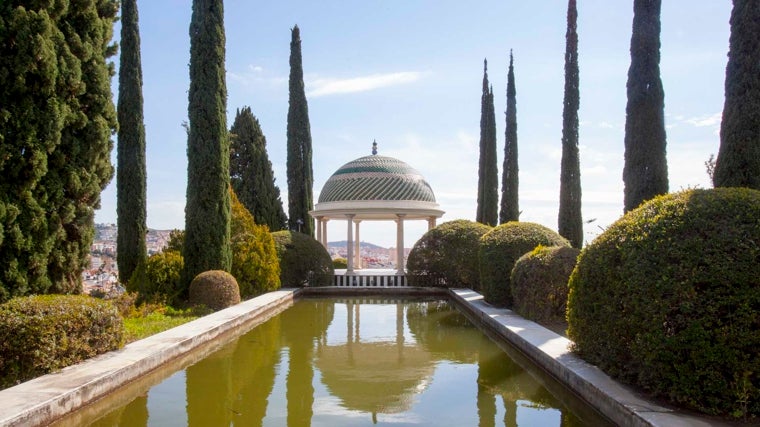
(409, 74)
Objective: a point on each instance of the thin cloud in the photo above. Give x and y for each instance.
(324, 87)
(705, 121)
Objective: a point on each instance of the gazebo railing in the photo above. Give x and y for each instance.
(370, 280)
(385, 279)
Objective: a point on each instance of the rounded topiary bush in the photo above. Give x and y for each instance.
(216, 289)
(501, 247)
(539, 283)
(447, 255)
(668, 298)
(41, 334)
(303, 260)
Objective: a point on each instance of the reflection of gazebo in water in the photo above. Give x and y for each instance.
(374, 377)
(374, 188)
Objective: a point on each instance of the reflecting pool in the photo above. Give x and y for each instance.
(350, 362)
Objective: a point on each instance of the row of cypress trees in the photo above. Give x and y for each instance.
(570, 222)
(488, 208)
(645, 172)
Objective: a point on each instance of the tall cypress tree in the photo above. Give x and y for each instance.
(207, 213)
(738, 163)
(570, 218)
(251, 173)
(80, 168)
(300, 174)
(510, 209)
(130, 173)
(645, 173)
(488, 187)
(32, 116)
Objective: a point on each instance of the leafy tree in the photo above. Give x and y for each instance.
(738, 163)
(255, 265)
(300, 174)
(207, 212)
(488, 187)
(510, 209)
(251, 173)
(645, 173)
(570, 217)
(56, 121)
(130, 174)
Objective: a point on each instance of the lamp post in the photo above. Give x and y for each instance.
(299, 221)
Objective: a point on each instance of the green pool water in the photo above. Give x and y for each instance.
(350, 362)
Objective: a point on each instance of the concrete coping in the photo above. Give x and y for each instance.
(45, 399)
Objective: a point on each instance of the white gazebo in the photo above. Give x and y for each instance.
(374, 188)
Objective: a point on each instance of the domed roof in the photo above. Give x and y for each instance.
(376, 177)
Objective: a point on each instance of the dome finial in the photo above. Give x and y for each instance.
(374, 147)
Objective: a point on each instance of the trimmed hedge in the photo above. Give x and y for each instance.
(303, 260)
(539, 283)
(254, 258)
(216, 289)
(668, 298)
(41, 334)
(501, 247)
(447, 255)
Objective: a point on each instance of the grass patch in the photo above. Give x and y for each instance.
(140, 327)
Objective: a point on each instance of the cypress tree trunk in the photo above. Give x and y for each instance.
(738, 163)
(645, 173)
(488, 187)
(300, 174)
(570, 218)
(130, 174)
(80, 168)
(510, 209)
(251, 173)
(207, 213)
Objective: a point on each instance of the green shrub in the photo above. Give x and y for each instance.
(668, 298)
(41, 334)
(162, 272)
(216, 289)
(303, 260)
(254, 258)
(501, 247)
(539, 283)
(447, 255)
(340, 262)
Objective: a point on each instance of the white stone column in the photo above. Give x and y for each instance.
(357, 248)
(431, 223)
(319, 229)
(350, 245)
(324, 231)
(400, 244)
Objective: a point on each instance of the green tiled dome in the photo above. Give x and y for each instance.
(376, 178)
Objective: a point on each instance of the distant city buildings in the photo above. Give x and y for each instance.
(373, 256)
(102, 273)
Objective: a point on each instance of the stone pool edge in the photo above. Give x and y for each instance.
(550, 352)
(47, 398)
